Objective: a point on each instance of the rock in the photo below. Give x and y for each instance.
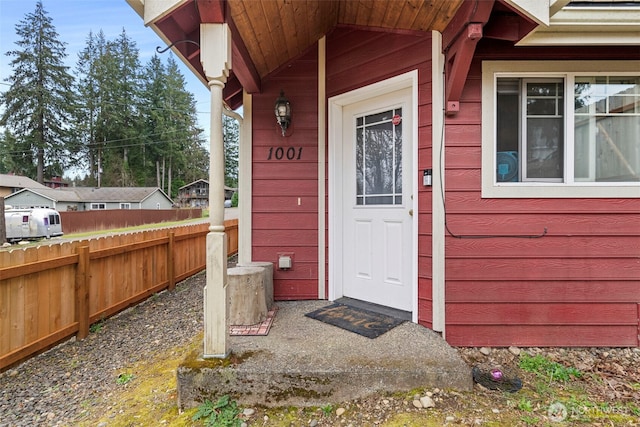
(247, 412)
(427, 402)
(313, 423)
(485, 351)
(340, 411)
(417, 404)
(495, 411)
(450, 418)
(514, 350)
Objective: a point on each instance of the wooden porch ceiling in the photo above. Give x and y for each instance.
(267, 34)
(275, 31)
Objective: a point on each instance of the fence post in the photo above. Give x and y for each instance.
(82, 292)
(170, 266)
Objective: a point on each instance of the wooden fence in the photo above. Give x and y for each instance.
(52, 292)
(87, 221)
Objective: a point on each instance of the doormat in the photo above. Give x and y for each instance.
(363, 322)
(259, 329)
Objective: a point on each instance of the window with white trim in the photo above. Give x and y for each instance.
(125, 205)
(98, 206)
(561, 129)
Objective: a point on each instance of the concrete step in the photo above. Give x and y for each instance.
(304, 362)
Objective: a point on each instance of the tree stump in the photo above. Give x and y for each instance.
(268, 279)
(247, 302)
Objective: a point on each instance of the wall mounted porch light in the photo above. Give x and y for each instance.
(283, 112)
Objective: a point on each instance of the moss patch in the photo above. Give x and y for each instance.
(149, 399)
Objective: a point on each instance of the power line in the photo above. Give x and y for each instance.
(110, 147)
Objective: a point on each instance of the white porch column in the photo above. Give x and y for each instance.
(215, 55)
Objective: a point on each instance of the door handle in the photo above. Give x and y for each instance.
(411, 212)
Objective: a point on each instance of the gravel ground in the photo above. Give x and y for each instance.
(57, 387)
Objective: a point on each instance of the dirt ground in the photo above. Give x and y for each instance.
(560, 387)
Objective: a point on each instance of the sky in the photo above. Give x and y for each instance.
(74, 19)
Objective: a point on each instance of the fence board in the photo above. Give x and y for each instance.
(51, 292)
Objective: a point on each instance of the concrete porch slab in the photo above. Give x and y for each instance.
(304, 362)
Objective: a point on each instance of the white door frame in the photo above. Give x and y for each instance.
(336, 125)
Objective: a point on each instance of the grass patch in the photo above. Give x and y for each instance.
(545, 368)
(124, 378)
(151, 400)
(129, 229)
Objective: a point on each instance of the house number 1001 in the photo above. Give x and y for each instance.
(280, 153)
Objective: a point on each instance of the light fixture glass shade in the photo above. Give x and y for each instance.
(283, 112)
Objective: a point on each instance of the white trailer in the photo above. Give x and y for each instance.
(32, 224)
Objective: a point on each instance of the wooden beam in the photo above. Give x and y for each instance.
(458, 66)
(232, 88)
(459, 42)
(211, 11)
(241, 63)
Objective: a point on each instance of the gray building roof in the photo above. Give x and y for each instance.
(58, 195)
(91, 194)
(19, 181)
(115, 194)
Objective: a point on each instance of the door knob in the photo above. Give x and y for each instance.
(411, 212)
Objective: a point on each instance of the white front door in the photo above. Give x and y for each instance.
(376, 175)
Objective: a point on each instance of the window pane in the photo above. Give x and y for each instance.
(541, 107)
(508, 130)
(544, 89)
(544, 148)
(608, 149)
(544, 130)
(398, 157)
(607, 129)
(379, 158)
(359, 160)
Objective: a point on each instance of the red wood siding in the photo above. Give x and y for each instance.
(285, 192)
(577, 286)
(357, 58)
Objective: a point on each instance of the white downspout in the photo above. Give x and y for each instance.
(322, 122)
(245, 183)
(437, 193)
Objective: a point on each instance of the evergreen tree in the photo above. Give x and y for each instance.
(231, 137)
(174, 144)
(153, 93)
(184, 149)
(39, 102)
(17, 156)
(89, 87)
(119, 122)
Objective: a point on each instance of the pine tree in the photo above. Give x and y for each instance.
(231, 136)
(39, 102)
(183, 150)
(153, 93)
(120, 121)
(89, 88)
(17, 157)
